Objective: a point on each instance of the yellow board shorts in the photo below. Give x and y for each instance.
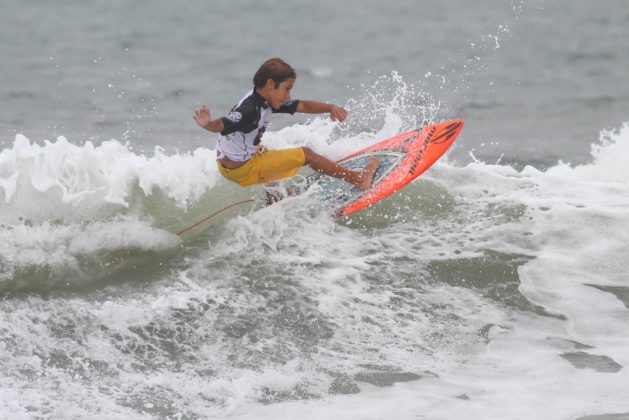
(266, 166)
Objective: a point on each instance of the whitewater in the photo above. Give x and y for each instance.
(480, 289)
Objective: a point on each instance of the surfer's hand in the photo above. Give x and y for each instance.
(338, 113)
(203, 116)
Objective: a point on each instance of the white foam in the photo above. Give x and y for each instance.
(60, 248)
(368, 281)
(611, 161)
(62, 180)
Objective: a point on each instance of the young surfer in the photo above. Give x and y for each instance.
(240, 156)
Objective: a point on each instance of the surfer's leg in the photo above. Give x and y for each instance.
(362, 179)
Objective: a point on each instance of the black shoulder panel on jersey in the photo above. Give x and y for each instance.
(288, 107)
(243, 117)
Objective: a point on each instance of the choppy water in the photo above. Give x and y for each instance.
(493, 287)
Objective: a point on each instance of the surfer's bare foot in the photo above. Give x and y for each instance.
(362, 179)
(367, 174)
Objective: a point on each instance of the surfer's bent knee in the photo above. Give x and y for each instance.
(309, 154)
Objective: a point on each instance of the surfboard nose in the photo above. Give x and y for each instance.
(447, 132)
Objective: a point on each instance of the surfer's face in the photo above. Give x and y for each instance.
(280, 94)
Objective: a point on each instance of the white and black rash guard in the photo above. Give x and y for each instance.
(245, 124)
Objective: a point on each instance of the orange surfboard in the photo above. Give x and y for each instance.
(402, 159)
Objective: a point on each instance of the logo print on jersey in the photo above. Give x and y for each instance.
(235, 116)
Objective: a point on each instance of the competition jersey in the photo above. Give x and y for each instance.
(245, 124)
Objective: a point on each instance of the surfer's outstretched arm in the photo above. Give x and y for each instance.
(362, 179)
(337, 113)
(203, 117)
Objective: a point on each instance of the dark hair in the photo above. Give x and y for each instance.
(275, 69)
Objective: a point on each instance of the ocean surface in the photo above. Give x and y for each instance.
(495, 286)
